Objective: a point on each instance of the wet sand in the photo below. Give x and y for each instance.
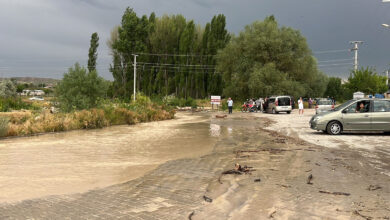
(78, 161)
(375, 147)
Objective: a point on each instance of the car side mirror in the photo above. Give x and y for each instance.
(345, 111)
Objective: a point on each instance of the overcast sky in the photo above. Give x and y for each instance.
(43, 38)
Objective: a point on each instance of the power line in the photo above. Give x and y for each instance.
(329, 61)
(178, 67)
(336, 64)
(330, 51)
(171, 64)
(176, 55)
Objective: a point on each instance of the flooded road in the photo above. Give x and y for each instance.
(281, 176)
(77, 161)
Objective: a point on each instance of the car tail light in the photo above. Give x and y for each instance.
(276, 103)
(333, 106)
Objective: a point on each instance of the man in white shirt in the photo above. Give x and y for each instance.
(230, 105)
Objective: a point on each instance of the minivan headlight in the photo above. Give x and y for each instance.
(317, 118)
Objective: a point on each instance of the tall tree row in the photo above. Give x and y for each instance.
(175, 55)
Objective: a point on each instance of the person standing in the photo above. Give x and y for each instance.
(230, 105)
(310, 102)
(300, 106)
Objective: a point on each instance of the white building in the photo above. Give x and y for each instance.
(28, 92)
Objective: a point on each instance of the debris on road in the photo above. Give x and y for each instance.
(207, 199)
(374, 187)
(280, 140)
(335, 193)
(285, 186)
(191, 214)
(220, 116)
(231, 172)
(309, 179)
(257, 180)
(238, 170)
(272, 214)
(363, 216)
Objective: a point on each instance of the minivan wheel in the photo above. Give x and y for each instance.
(273, 111)
(334, 128)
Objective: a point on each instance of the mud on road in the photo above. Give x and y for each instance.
(287, 178)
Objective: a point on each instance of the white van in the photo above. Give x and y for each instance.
(276, 104)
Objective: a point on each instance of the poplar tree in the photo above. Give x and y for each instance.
(92, 54)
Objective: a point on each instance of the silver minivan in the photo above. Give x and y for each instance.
(276, 104)
(355, 115)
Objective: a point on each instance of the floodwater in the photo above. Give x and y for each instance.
(78, 161)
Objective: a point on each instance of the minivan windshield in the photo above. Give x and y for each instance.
(345, 104)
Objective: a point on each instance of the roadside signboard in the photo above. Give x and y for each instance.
(358, 95)
(215, 100)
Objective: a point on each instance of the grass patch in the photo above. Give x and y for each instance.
(108, 113)
(3, 126)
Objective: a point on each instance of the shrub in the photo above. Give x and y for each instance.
(94, 118)
(11, 103)
(123, 115)
(3, 126)
(80, 90)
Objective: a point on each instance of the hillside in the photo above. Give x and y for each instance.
(34, 80)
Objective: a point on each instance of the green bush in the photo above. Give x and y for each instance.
(3, 126)
(180, 102)
(80, 89)
(10, 103)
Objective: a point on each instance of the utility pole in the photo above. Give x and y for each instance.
(135, 73)
(356, 49)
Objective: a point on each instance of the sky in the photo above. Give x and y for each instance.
(43, 38)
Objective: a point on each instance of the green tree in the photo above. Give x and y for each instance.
(159, 41)
(335, 88)
(366, 80)
(7, 88)
(80, 89)
(92, 54)
(266, 59)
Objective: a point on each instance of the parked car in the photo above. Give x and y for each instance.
(36, 98)
(355, 115)
(324, 105)
(276, 104)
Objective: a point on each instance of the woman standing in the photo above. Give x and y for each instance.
(300, 105)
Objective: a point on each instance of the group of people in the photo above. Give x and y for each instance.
(262, 104)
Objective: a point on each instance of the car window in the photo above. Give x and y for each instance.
(342, 106)
(381, 106)
(358, 107)
(272, 100)
(284, 101)
(324, 102)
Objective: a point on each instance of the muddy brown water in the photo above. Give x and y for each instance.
(77, 161)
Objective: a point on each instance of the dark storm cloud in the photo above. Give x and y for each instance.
(44, 37)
